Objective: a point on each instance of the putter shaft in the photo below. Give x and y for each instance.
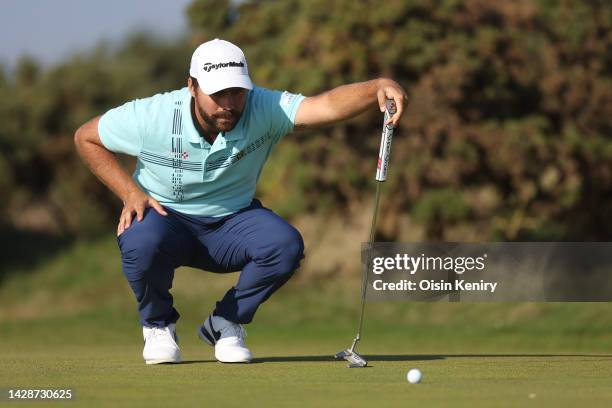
(364, 284)
(354, 359)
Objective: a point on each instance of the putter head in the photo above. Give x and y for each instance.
(354, 359)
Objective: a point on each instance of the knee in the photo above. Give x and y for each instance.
(140, 253)
(288, 249)
(294, 247)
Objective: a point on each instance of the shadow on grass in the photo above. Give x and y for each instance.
(398, 357)
(382, 357)
(287, 359)
(524, 355)
(197, 362)
(417, 357)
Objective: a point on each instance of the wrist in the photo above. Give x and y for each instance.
(129, 190)
(383, 82)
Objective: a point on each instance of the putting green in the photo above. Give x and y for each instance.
(66, 326)
(293, 367)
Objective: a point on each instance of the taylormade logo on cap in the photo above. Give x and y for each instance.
(218, 65)
(208, 66)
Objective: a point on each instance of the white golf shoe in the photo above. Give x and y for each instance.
(227, 338)
(161, 345)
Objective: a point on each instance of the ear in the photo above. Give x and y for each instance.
(191, 86)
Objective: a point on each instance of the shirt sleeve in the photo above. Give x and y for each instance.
(281, 108)
(120, 128)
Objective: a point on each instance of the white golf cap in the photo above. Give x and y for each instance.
(218, 65)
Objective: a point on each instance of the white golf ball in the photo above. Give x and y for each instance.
(414, 376)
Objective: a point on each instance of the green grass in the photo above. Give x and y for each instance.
(72, 323)
(102, 363)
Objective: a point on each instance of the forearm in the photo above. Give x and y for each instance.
(340, 103)
(347, 101)
(105, 166)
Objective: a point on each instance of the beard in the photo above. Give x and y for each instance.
(221, 121)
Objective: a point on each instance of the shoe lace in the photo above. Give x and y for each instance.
(158, 332)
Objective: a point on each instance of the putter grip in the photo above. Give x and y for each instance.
(385, 142)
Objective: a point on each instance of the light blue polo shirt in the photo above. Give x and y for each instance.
(179, 168)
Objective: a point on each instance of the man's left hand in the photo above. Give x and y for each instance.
(389, 89)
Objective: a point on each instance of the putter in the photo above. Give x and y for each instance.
(350, 355)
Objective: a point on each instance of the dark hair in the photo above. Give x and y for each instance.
(194, 81)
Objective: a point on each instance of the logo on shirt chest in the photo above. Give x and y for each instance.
(176, 155)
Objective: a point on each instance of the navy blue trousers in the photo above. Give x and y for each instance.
(254, 240)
